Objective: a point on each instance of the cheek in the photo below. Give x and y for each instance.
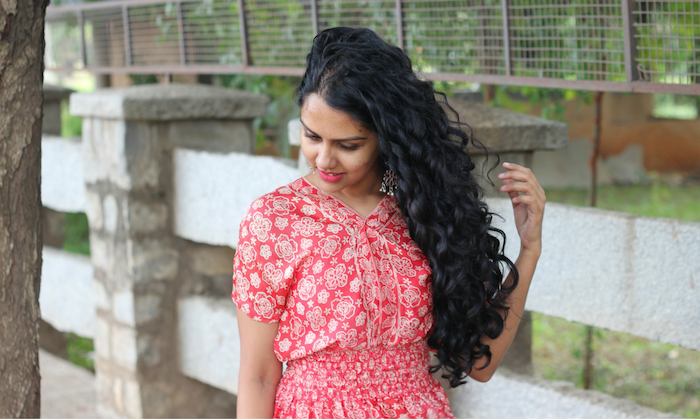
(308, 150)
(365, 162)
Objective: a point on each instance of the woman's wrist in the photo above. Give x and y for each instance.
(531, 252)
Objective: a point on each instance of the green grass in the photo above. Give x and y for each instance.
(654, 374)
(655, 200)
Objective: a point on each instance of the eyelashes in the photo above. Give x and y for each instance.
(341, 145)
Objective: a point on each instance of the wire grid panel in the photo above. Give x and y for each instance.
(62, 37)
(667, 34)
(212, 33)
(154, 34)
(455, 36)
(539, 42)
(379, 16)
(104, 37)
(575, 40)
(280, 32)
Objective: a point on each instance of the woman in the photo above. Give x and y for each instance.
(384, 252)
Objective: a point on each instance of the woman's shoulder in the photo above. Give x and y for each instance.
(282, 198)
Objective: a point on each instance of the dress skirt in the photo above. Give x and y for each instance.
(380, 382)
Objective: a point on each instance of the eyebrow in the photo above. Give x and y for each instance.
(335, 139)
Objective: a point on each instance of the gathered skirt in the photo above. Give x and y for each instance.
(362, 384)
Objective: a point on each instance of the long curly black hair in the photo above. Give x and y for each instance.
(358, 73)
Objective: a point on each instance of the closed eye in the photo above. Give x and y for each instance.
(307, 134)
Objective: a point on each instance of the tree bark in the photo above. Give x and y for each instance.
(21, 76)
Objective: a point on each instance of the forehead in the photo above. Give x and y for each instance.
(325, 120)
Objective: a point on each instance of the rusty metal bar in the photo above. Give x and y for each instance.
(399, 25)
(505, 18)
(181, 33)
(244, 34)
(81, 25)
(314, 16)
(592, 85)
(631, 73)
(127, 36)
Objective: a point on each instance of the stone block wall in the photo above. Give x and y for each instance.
(140, 266)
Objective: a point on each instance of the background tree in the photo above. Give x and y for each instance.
(21, 76)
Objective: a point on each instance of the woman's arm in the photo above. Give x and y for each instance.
(260, 370)
(528, 200)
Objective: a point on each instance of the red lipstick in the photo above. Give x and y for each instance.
(330, 177)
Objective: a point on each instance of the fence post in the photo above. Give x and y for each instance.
(128, 138)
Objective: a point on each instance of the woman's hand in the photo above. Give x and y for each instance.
(527, 197)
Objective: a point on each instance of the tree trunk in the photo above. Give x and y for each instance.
(21, 76)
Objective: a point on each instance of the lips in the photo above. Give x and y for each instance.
(330, 177)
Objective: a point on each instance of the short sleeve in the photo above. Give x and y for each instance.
(260, 277)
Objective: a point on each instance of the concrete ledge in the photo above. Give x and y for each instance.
(615, 270)
(66, 296)
(159, 102)
(507, 131)
(53, 93)
(518, 396)
(62, 179)
(212, 191)
(209, 341)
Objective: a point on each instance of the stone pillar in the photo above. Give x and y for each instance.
(51, 119)
(53, 221)
(128, 138)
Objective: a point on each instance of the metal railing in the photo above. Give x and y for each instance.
(602, 45)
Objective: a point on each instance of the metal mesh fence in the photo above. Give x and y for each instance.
(643, 45)
(455, 36)
(668, 41)
(567, 39)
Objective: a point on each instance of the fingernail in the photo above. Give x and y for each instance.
(503, 188)
(506, 163)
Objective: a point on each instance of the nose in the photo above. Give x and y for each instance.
(325, 159)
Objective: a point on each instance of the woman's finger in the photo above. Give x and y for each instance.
(524, 187)
(504, 188)
(519, 176)
(532, 202)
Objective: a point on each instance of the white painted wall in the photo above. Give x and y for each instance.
(213, 191)
(62, 180)
(209, 341)
(619, 271)
(66, 296)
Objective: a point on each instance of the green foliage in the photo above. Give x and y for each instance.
(273, 126)
(551, 100)
(139, 79)
(80, 351)
(77, 233)
(676, 106)
(71, 126)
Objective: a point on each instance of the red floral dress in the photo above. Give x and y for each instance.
(353, 299)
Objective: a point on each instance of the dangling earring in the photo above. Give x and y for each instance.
(389, 182)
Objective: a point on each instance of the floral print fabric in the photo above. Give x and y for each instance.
(373, 383)
(337, 283)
